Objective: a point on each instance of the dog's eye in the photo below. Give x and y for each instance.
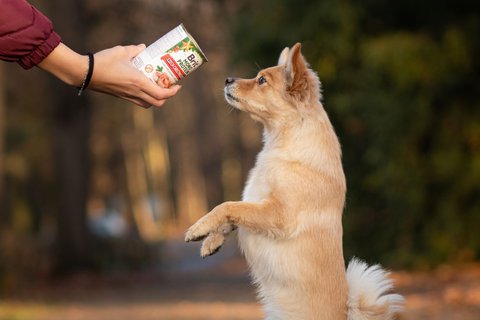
(261, 80)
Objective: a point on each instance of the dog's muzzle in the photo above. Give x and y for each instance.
(229, 96)
(228, 87)
(229, 81)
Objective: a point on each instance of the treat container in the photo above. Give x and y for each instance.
(170, 58)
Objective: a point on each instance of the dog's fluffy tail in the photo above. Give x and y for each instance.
(368, 294)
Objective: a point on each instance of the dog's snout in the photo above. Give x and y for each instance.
(229, 81)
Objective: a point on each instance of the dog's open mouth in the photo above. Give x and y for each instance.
(231, 97)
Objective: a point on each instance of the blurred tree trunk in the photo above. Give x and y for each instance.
(71, 133)
(211, 157)
(147, 171)
(3, 102)
(188, 178)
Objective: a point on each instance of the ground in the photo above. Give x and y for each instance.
(188, 288)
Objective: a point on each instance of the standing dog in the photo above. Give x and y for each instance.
(290, 219)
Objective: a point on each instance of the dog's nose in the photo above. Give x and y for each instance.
(229, 81)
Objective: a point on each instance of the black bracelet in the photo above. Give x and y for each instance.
(88, 75)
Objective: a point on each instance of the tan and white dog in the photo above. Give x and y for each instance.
(290, 218)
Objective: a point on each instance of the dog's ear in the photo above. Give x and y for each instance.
(296, 70)
(296, 64)
(283, 56)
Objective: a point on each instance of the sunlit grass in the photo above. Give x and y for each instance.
(23, 311)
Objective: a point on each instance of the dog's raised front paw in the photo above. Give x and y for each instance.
(191, 235)
(198, 231)
(212, 244)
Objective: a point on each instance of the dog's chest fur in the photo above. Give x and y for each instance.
(260, 250)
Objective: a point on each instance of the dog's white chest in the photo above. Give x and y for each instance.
(257, 187)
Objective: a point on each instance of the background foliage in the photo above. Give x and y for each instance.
(401, 82)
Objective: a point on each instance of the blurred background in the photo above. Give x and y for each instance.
(95, 193)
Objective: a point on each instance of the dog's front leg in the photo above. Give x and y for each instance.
(214, 241)
(263, 217)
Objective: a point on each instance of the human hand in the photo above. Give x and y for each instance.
(114, 74)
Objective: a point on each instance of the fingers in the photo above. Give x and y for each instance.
(120, 78)
(139, 102)
(156, 99)
(160, 96)
(146, 101)
(134, 50)
(156, 91)
(168, 92)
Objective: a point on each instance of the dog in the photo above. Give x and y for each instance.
(290, 218)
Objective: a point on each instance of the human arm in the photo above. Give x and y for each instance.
(113, 74)
(27, 37)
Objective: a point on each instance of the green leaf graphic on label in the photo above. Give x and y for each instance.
(187, 45)
(159, 69)
(184, 45)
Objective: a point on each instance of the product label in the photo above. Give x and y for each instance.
(170, 58)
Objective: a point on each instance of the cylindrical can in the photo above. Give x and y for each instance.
(170, 58)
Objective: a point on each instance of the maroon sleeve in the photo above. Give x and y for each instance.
(26, 35)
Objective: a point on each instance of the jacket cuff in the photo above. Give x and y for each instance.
(41, 52)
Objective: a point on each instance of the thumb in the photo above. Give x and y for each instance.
(133, 51)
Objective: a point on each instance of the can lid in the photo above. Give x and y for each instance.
(194, 42)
